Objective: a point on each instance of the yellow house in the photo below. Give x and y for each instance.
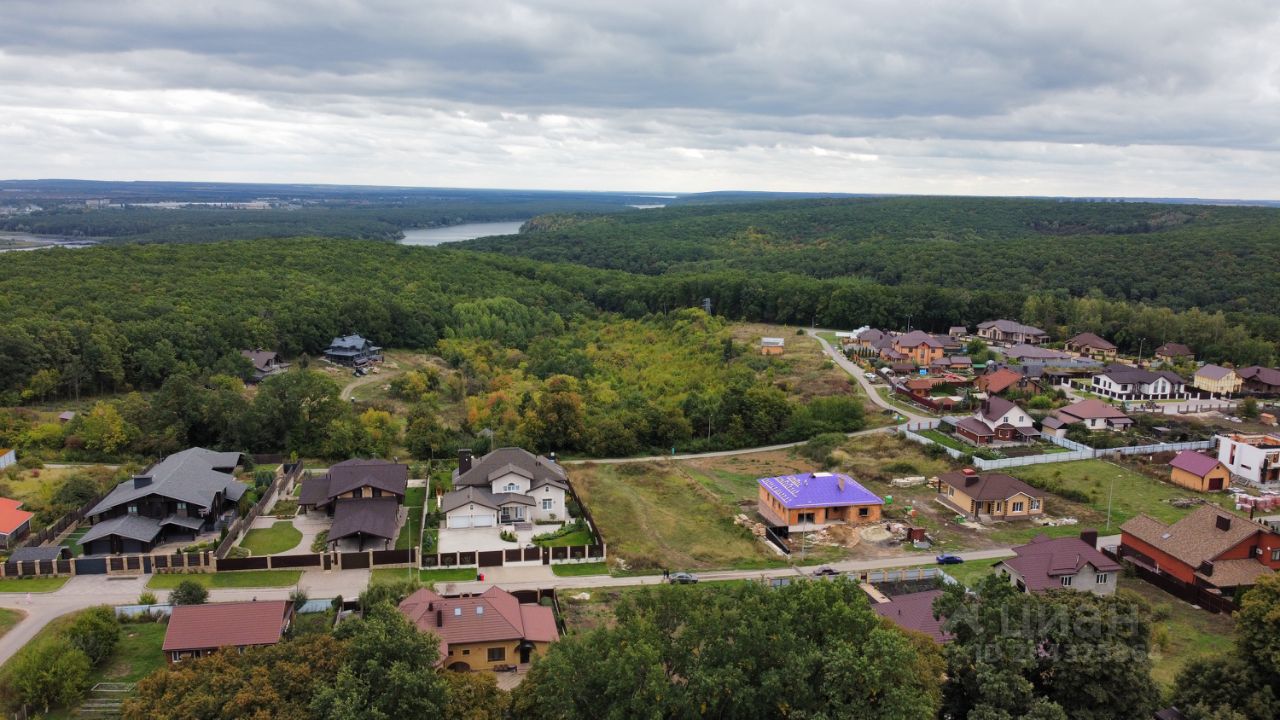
(1217, 380)
(489, 632)
(991, 496)
(1202, 473)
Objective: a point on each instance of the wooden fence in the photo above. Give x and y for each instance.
(286, 475)
(60, 525)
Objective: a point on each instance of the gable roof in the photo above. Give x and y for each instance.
(375, 517)
(1195, 463)
(975, 426)
(1259, 374)
(1091, 409)
(1043, 561)
(1214, 372)
(914, 611)
(870, 335)
(1023, 351)
(37, 554)
(543, 471)
(382, 474)
(1010, 326)
(261, 359)
(500, 617)
(988, 486)
(915, 338)
(1196, 537)
(12, 517)
(1089, 340)
(229, 624)
(1125, 375)
(993, 408)
(190, 476)
(1000, 380)
(133, 527)
(349, 342)
(315, 491)
(821, 489)
(1174, 350)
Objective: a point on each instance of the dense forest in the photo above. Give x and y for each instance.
(1177, 256)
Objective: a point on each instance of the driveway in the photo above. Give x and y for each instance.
(473, 539)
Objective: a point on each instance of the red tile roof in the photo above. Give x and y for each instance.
(492, 616)
(11, 517)
(914, 611)
(232, 624)
(1043, 562)
(1195, 463)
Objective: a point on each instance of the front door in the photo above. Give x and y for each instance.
(1215, 484)
(524, 654)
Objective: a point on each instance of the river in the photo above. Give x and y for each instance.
(19, 241)
(458, 233)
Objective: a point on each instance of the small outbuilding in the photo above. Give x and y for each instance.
(1202, 473)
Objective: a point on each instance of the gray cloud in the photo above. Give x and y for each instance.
(984, 97)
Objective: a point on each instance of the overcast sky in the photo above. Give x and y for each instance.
(1169, 98)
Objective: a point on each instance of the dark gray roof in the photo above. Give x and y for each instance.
(542, 470)
(191, 476)
(377, 517)
(349, 344)
(382, 474)
(314, 491)
(480, 495)
(191, 523)
(36, 554)
(1125, 375)
(133, 527)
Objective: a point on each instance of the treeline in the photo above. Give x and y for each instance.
(1178, 256)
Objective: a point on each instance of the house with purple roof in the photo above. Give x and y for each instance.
(1199, 472)
(810, 501)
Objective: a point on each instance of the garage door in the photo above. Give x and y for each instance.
(467, 521)
(482, 521)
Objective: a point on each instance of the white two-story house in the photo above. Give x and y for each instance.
(1129, 383)
(507, 486)
(997, 420)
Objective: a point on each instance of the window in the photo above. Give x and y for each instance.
(1101, 578)
(1066, 580)
(546, 503)
(497, 654)
(1275, 555)
(1017, 507)
(133, 509)
(511, 487)
(182, 506)
(1035, 504)
(864, 512)
(466, 652)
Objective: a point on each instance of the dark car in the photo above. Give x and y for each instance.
(682, 578)
(825, 571)
(949, 559)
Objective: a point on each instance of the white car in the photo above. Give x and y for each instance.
(869, 376)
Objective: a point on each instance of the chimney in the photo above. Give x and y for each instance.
(439, 618)
(840, 482)
(1206, 568)
(1224, 523)
(141, 481)
(1090, 537)
(464, 460)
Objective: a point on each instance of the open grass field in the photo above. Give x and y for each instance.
(577, 537)
(580, 569)
(1186, 632)
(653, 515)
(972, 572)
(240, 579)
(441, 575)
(1134, 492)
(278, 538)
(9, 618)
(33, 584)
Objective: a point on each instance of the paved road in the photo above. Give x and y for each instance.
(857, 373)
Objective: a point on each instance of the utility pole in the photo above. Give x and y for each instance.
(1111, 494)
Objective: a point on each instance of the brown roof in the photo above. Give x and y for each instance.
(540, 470)
(1000, 380)
(492, 616)
(916, 338)
(1259, 374)
(988, 486)
(261, 359)
(975, 426)
(914, 611)
(1042, 562)
(1196, 537)
(382, 474)
(1174, 350)
(1092, 409)
(1089, 340)
(231, 624)
(994, 408)
(373, 517)
(1214, 372)
(1235, 573)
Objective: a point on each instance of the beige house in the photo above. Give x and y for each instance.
(1071, 563)
(989, 496)
(1217, 380)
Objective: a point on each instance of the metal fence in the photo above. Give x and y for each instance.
(1077, 451)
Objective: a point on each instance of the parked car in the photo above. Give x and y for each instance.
(825, 570)
(869, 376)
(682, 578)
(949, 559)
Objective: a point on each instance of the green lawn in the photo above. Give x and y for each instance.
(1134, 493)
(580, 569)
(240, 579)
(73, 541)
(971, 572)
(944, 440)
(1187, 633)
(389, 575)
(415, 496)
(411, 533)
(9, 618)
(575, 538)
(34, 584)
(729, 486)
(137, 655)
(278, 538)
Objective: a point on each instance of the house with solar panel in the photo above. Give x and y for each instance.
(175, 500)
(811, 501)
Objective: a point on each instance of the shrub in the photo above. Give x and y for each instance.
(322, 540)
(820, 446)
(298, 597)
(50, 672)
(902, 467)
(392, 592)
(336, 604)
(95, 632)
(147, 598)
(508, 536)
(189, 592)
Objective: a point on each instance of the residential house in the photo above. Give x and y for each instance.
(914, 611)
(864, 341)
(187, 493)
(1073, 563)
(958, 331)
(1010, 332)
(1123, 382)
(1022, 352)
(265, 363)
(352, 350)
(14, 521)
(919, 346)
(1199, 472)
(953, 362)
(809, 501)
(1258, 380)
(1217, 380)
(7, 457)
(364, 498)
(997, 420)
(1254, 457)
(1002, 379)
(506, 486)
(1208, 548)
(989, 496)
(772, 345)
(1090, 345)
(198, 630)
(1093, 414)
(487, 632)
(1173, 353)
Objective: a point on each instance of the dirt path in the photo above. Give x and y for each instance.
(856, 372)
(357, 382)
